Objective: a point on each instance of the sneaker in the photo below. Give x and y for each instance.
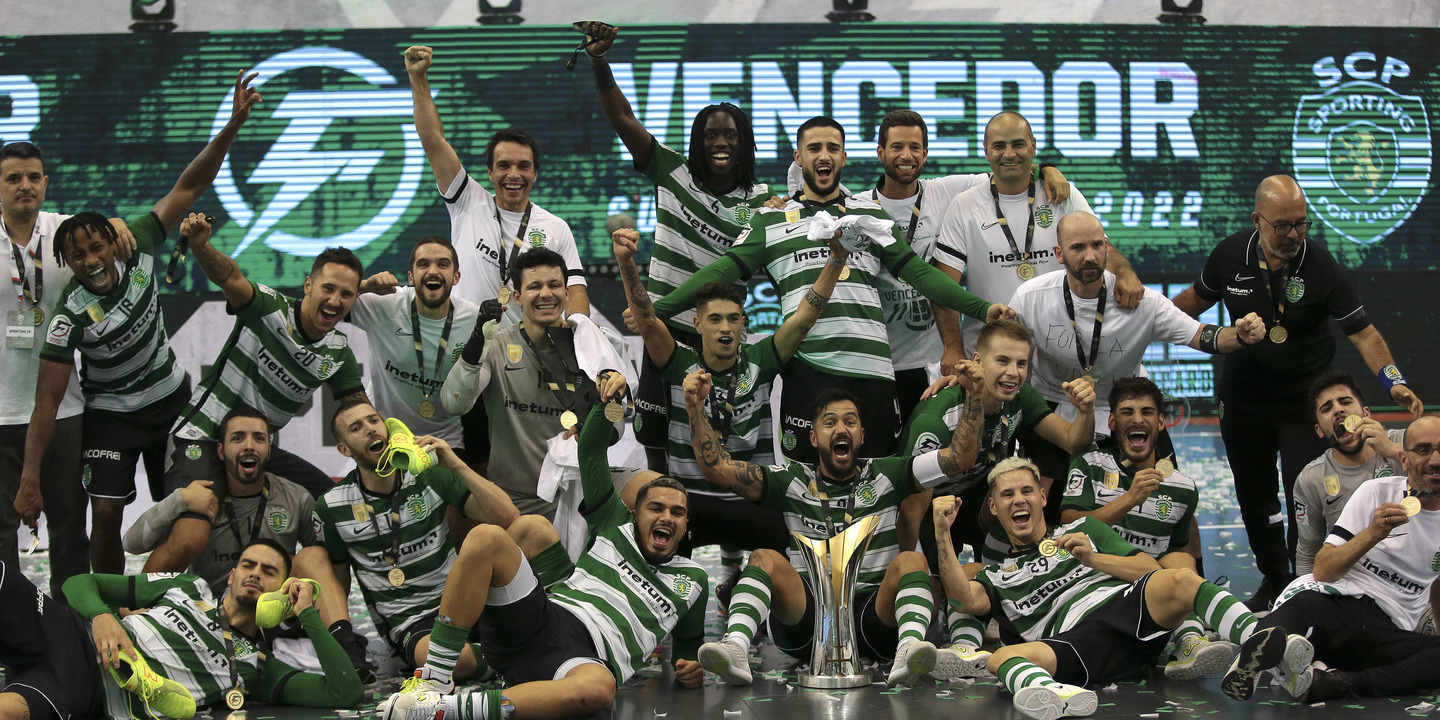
(401, 452)
(160, 694)
(960, 661)
(726, 659)
(273, 608)
(419, 698)
(1195, 657)
(1264, 598)
(1260, 652)
(1048, 702)
(1293, 672)
(722, 594)
(912, 659)
(1329, 685)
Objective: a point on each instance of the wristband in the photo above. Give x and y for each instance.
(1210, 339)
(593, 55)
(1390, 377)
(1240, 338)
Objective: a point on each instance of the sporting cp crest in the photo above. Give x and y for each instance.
(1362, 150)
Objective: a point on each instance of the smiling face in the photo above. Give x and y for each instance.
(903, 153)
(543, 294)
(1332, 406)
(91, 258)
(1019, 504)
(245, 448)
(721, 325)
(512, 174)
(1010, 150)
(821, 157)
(1006, 362)
(360, 434)
(1135, 424)
(260, 570)
(329, 294)
(661, 519)
(433, 274)
(837, 437)
(1422, 453)
(22, 184)
(721, 142)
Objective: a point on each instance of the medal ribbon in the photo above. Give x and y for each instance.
(559, 383)
(259, 517)
(825, 503)
(1270, 299)
(1085, 366)
(229, 638)
(420, 346)
(392, 557)
(515, 247)
(722, 413)
(23, 293)
(1005, 224)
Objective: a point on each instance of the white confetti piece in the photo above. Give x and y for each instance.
(1423, 707)
(732, 712)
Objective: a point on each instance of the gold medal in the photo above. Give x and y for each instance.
(845, 273)
(1279, 335)
(1165, 467)
(396, 576)
(234, 699)
(614, 412)
(426, 409)
(1411, 505)
(503, 296)
(569, 420)
(37, 315)
(1087, 377)
(1025, 270)
(1048, 547)
(1352, 422)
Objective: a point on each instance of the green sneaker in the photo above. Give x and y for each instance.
(160, 694)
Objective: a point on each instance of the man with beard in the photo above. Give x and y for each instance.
(1076, 336)
(892, 597)
(1360, 450)
(184, 649)
(1369, 587)
(848, 347)
(416, 334)
(1077, 605)
(1298, 287)
(563, 653)
(1126, 484)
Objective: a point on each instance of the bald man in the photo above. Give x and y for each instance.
(1296, 287)
(1080, 329)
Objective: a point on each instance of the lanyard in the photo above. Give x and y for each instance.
(825, 503)
(1005, 224)
(566, 379)
(392, 557)
(914, 212)
(254, 527)
(1277, 303)
(420, 346)
(1085, 365)
(515, 247)
(229, 638)
(722, 413)
(23, 291)
(838, 202)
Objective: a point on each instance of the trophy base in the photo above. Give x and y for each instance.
(832, 682)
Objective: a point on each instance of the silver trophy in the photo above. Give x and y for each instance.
(832, 568)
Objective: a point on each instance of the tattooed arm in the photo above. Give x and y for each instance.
(659, 343)
(742, 478)
(792, 333)
(964, 446)
(219, 267)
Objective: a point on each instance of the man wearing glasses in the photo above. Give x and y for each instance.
(1296, 287)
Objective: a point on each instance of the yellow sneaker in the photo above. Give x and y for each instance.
(274, 607)
(401, 452)
(160, 694)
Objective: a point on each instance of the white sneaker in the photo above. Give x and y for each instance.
(1195, 657)
(1048, 702)
(1293, 672)
(418, 699)
(913, 659)
(960, 661)
(726, 659)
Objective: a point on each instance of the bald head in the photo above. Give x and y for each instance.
(1010, 150)
(1082, 248)
(1280, 218)
(1278, 189)
(1076, 224)
(1005, 122)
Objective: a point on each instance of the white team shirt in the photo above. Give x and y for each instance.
(972, 242)
(21, 366)
(909, 318)
(394, 376)
(1040, 304)
(479, 242)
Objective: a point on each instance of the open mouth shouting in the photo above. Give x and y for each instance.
(248, 463)
(1137, 443)
(99, 277)
(824, 174)
(433, 283)
(328, 316)
(842, 450)
(662, 537)
(1020, 519)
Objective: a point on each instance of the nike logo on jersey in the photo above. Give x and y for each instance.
(1243, 278)
(402, 332)
(1331, 500)
(987, 226)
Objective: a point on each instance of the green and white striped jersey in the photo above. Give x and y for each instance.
(354, 525)
(692, 227)
(878, 489)
(125, 358)
(1156, 526)
(1034, 597)
(268, 364)
(932, 425)
(628, 604)
(749, 431)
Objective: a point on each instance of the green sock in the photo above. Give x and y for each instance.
(1018, 673)
(446, 642)
(552, 565)
(483, 672)
(749, 605)
(914, 604)
(965, 629)
(478, 705)
(1220, 610)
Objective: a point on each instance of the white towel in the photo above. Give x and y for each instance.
(856, 231)
(560, 483)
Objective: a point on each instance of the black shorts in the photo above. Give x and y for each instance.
(873, 638)
(965, 531)
(533, 638)
(48, 649)
(879, 411)
(475, 433)
(909, 386)
(733, 522)
(113, 442)
(1117, 641)
(418, 630)
(189, 460)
